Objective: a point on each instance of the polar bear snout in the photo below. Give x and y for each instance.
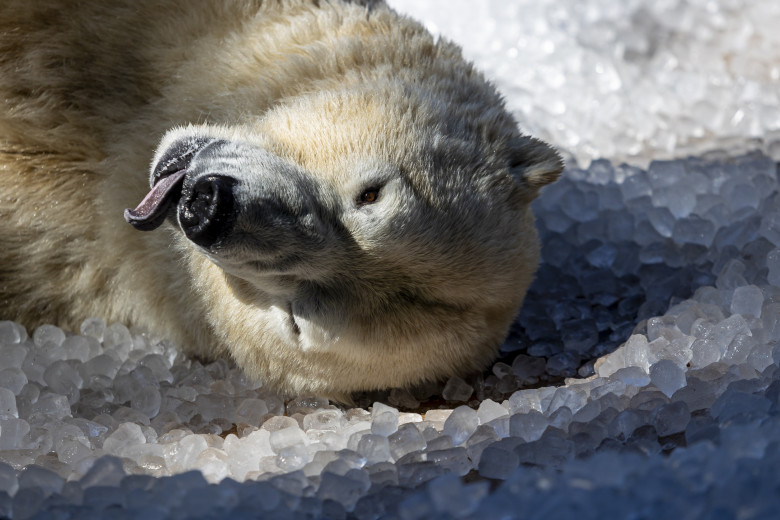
(207, 210)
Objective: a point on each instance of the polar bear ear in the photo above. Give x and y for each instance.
(533, 164)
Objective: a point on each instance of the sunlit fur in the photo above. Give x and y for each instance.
(418, 285)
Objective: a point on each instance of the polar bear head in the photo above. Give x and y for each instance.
(373, 233)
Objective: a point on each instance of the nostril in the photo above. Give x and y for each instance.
(207, 211)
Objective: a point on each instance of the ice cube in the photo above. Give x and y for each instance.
(12, 433)
(375, 448)
(48, 334)
(704, 352)
(457, 390)
(489, 410)
(64, 379)
(8, 408)
(454, 460)
(667, 376)
(9, 482)
(287, 437)
(385, 423)
(497, 463)
(670, 418)
(106, 471)
(331, 420)
(529, 426)
(128, 434)
(11, 334)
(13, 379)
(147, 401)
(93, 327)
(461, 424)
(36, 477)
(773, 263)
(406, 440)
(747, 300)
(694, 230)
(342, 489)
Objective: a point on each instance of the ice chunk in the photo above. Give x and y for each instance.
(11, 334)
(116, 337)
(9, 482)
(626, 422)
(704, 352)
(497, 463)
(128, 434)
(375, 448)
(663, 174)
(293, 457)
(611, 363)
(461, 424)
(667, 376)
(489, 410)
(529, 426)
(385, 423)
(331, 420)
(147, 401)
(93, 327)
(454, 460)
(12, 433)
(342, 489)
(287, 437)
(406, 440)
(670, 418)
(8, 404)
(579, 335)
(694, 230)
(12, 356)
(732, 403)
(107, 471)
(662, 221)
(678, 351)
(636, 352)
(252, 411)
(773, 263)
(64, 379)
(13, 379)
(770, 227)
(36, 477)
(457, 390)
(46, 334)
(747, 300)
(279, 422)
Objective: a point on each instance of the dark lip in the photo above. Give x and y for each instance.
(154, 208)
(178, 156)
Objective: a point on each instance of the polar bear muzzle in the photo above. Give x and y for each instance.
(205, 207)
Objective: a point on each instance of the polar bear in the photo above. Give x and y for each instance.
(336, 200)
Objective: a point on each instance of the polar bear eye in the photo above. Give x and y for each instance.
(368, 196)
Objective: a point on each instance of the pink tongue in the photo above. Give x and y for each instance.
(150, 213)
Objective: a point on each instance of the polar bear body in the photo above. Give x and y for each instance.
(342, 201)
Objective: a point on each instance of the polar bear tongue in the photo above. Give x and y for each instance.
(151, 212)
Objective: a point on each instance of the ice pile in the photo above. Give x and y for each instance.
(90, 422)
(641, 378)
(630, 78)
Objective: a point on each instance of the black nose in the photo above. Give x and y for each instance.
(207, 211)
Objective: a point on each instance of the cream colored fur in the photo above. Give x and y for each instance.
(422, 285)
